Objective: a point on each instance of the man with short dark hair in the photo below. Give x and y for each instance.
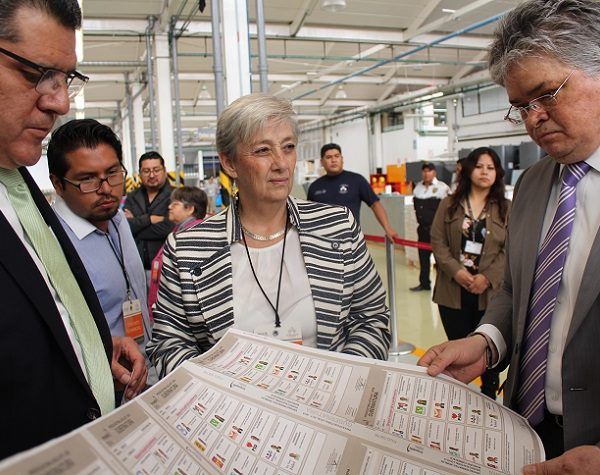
(147, 208)
(545, 319)
(56, 353)
(85, 160)
(426, 198)
(349, 189)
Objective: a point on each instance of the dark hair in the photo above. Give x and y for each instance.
(330, 146)
(496, 194)
(193, 196)
(151, 155)
(75, 134)
(428, 166)
(66, 12)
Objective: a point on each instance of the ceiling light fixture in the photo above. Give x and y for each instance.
(341, 92)
(448, 10)
(204, 94)
(333, 5)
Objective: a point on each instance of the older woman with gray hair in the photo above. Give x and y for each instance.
(269, 263)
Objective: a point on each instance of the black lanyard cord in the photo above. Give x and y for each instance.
(475, 220)
(276, 306)
(119, 256)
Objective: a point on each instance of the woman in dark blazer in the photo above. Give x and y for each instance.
(467, 237)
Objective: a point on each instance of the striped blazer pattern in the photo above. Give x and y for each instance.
(195, 297)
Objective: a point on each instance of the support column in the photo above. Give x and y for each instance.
(125, 136)
(378, 143)
(163, 101)
(138, 120)
(237, 51)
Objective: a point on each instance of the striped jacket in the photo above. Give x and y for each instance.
(195, 299)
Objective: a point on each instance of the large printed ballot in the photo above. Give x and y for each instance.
(256, 406)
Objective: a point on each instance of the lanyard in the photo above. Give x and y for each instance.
(475, 220)
(120, 258)
(276, 306)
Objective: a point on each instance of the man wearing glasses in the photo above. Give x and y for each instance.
(85, 160)
(147, 208)
(56, 353)
(545, 319)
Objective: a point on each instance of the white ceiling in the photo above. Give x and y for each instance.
(306, 47)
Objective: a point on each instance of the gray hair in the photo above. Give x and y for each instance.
(245, 116)
(567, 30)
(66, 12)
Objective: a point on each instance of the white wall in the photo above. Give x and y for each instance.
(353, 139)
(40, 174)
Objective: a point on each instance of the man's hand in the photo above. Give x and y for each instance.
(128, 361)
(128, 213)
(462, 359)
(464, 278)
(391, 234)
(479, 285)
(155, 218)
(583, 460)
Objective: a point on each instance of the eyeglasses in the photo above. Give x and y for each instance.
(90, 185)
(148, 171)
(517, 115)
(51, 80)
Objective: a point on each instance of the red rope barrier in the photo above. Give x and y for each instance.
(400, 242)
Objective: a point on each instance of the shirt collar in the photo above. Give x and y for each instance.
(81, 227)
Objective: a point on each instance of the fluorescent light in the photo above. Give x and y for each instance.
(448, 10)
(333, 5)
(341, 93)
(204, 94)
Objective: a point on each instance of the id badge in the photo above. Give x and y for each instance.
(286, 332)
(473, 247)
(132, 319)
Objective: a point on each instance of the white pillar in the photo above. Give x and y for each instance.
(378, 144)
(126, 142)
(163, 100)
(138, 120)
(236, 49)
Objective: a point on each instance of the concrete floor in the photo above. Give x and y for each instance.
(417, 317)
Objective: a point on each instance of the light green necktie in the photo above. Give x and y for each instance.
(50, 253)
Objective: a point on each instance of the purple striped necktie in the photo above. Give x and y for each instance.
(546, 282)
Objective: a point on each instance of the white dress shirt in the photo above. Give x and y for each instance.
(585, 228)
(438, 189)
(296, 306)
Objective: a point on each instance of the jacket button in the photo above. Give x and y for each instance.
(335, 245)
(197, 270)
(92, 413)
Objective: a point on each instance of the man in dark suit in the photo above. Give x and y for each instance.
(49, 385)
(545, 319)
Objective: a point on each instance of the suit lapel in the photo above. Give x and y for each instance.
(80, 275)
(589, 289)
(531, 200)
(18, 263)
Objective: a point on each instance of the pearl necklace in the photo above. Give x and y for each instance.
(260, 237)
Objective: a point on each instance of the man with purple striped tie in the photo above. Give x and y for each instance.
(545, 320)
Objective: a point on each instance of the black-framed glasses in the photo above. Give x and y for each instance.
(90, 185)
(51, 80)
(517, 115)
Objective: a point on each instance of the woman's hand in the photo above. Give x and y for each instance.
(464, 278)
(479, 285)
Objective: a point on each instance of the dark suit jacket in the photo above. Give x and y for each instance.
(43, 392)
(508, 309)
(149, 237)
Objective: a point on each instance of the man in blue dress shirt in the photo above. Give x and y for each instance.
(85, 163)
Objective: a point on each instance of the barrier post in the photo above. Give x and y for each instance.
(398, 347)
